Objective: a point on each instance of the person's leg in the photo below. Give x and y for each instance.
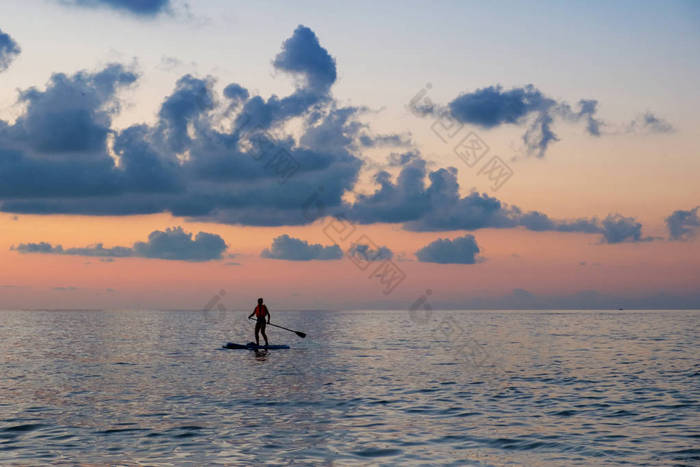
(257, 331)
(262, 330)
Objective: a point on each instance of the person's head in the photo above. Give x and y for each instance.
(259, 301)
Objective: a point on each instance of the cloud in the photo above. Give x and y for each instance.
(461, 250)
(168, 63)
(617, 228)
(683, 225)
(232, 159)
(395, 140)
(192, 98)
(492, 106)
(58, 146)
(171, 244)
(648, 123)
(56, 157)
(143, 8)
(41, 247)
(99, 250)
(364, 252)
(73, 114)
(528, 107)
(440, 207)
(8, 50)
(174, 243)
(303, 55)
(236, 92)
(293, 249)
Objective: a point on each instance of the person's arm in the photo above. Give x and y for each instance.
(268, 315)
(251, 315)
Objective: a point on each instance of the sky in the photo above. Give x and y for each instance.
(165, 154)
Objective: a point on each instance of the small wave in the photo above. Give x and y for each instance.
(112, 431)
(377, 452)
(565, 413)
(23, 428)
(621, 413)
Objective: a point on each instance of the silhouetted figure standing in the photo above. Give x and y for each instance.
(260, 313)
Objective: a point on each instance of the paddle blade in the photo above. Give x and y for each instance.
(300, 334)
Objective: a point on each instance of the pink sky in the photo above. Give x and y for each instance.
(348, 61)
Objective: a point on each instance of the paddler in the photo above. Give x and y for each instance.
(260, 312)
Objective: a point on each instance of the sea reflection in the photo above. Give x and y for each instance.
(506, 388)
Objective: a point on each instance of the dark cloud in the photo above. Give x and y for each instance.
(337, 128)
(440, 207)
(539, 222)
(539, 135)
(41, 247)
(492, 106)
(340, 127)
(227, 159)
(191, 99)
(461, 250)
(56, 157)
(58, 146)
(293, 249)
(617, 228)
(395, 140)
(73, 114)
(527, 106)
(99, 250)
(682, 225)
(364, 252)
(588, 109)
(174, 243)
(403, 201)
(143, 8)
(171, 244)
(302, 54)
(8, 50)
(236, 92)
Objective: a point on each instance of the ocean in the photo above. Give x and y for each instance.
(496, 388)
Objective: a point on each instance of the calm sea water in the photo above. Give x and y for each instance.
(460, 388)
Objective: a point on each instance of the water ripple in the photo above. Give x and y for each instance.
(566, 388)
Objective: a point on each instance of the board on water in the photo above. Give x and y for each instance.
(254, 346)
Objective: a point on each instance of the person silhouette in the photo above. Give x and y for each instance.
(260, 312)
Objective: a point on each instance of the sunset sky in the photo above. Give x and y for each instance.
(349, 156)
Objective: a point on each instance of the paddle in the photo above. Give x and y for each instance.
(298, 333)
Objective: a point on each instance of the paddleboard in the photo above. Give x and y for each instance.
(253, 346)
